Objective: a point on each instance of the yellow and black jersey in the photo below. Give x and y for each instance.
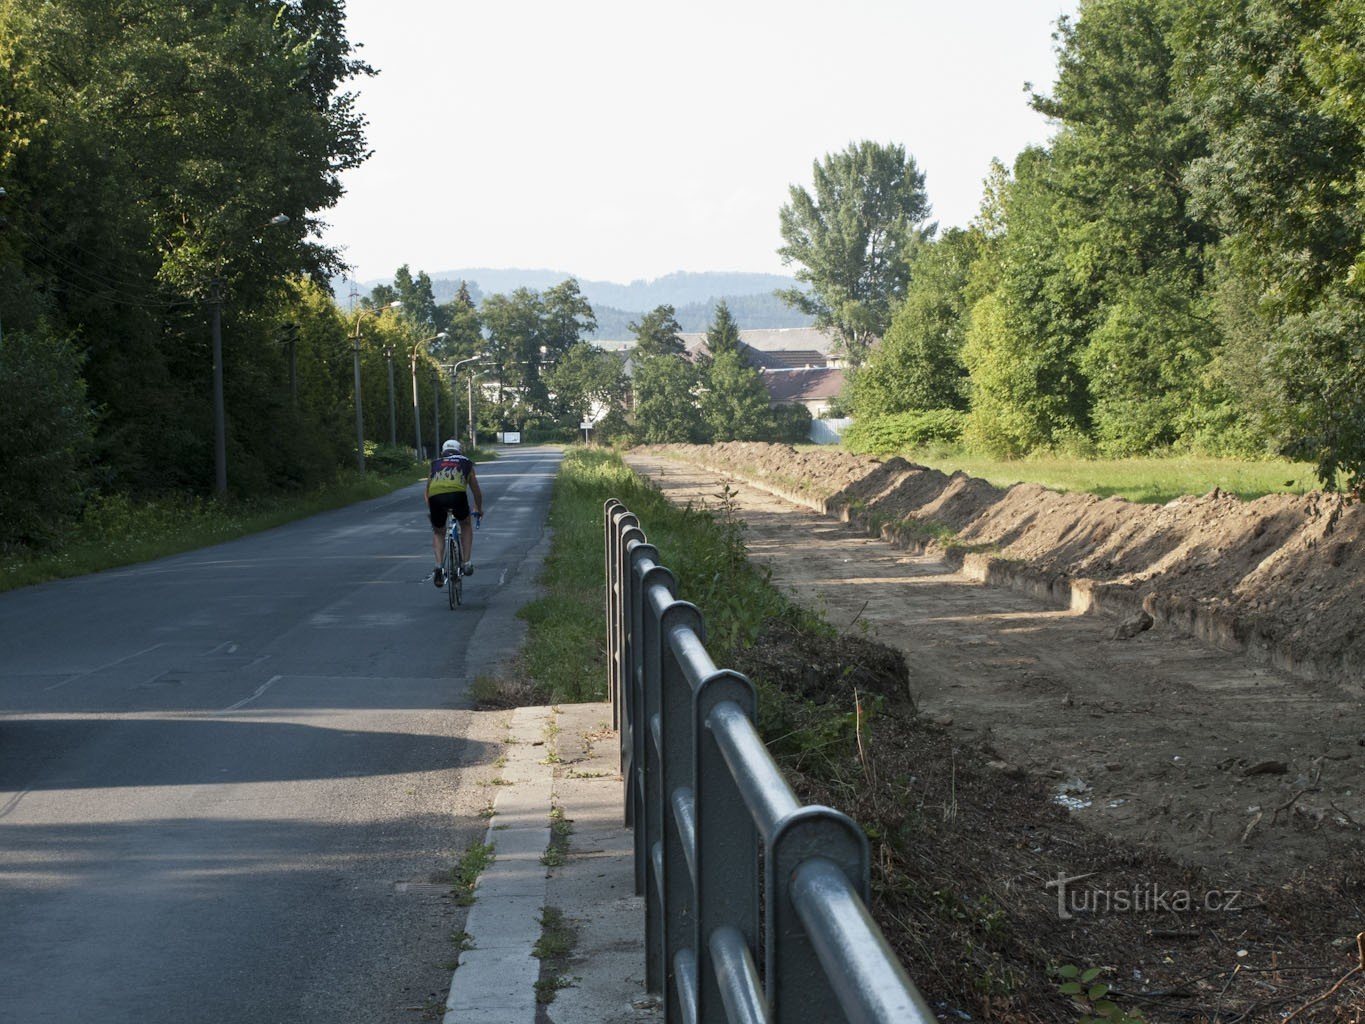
(449, 475)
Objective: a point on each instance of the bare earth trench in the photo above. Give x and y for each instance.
(1159, 739)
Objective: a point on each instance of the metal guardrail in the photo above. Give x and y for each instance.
(711, 812)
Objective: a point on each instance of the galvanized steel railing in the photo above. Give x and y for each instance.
(710, 810)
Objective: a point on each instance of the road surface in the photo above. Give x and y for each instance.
(230, 778)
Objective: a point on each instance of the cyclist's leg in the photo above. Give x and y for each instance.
(436, 515)
(467, 541)
(466, 532)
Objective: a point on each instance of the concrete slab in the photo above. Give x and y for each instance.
(593, 888)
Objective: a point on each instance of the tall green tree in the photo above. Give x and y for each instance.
(1099, 226)
(919, 363)
(587, 380)
(657, 333)
(148, 151)
(851, 240)
(722, 334)
(1276, 88)
(733, 400)
(665, 401)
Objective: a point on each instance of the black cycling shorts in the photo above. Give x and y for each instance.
(452, 501)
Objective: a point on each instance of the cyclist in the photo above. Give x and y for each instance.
(449, 485)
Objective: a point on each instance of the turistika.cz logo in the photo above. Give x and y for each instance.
(1142, 898)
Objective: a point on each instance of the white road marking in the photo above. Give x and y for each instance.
(101, 668)
(247, 700)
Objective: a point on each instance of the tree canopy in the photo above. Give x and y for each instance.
(851, 240)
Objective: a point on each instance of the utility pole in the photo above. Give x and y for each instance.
(393, 420)
(219, 416)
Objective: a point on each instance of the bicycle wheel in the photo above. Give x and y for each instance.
(457, 579)
(452, 567)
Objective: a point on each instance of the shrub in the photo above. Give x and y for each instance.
(46, 433)
(884, 435)
(790, 424)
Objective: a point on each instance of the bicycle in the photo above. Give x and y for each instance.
(454, 560)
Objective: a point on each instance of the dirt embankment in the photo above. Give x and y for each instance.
(1057, 777)
(1281, 578)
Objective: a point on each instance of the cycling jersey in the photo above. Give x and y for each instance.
(449, 475)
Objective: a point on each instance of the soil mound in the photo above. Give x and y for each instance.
(1281, 577)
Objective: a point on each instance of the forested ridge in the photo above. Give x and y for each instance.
(1178, 269)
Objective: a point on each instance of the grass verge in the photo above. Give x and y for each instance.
(116, 530)
(1148, 480)
(564, 657)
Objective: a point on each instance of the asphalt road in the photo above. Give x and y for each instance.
(222, 772)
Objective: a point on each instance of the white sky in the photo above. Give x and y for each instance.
(625, 139)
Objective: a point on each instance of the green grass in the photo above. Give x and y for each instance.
(1154, 480)
(465, 874)
(117, 531)
(564, 655)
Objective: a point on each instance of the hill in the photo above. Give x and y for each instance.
(693, 295)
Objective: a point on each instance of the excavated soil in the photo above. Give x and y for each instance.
(1048, 739)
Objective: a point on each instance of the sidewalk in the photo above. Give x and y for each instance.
(563, 758)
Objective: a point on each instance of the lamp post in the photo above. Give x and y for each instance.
(416, 409)
(436, 406)
(359, 412)
(393, 421)
(455, 382)
(473, 433)
(219, 414)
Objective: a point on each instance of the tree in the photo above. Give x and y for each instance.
(665, 406)
(853, 238)
(657, 333)
(723, 333)
(419, 304)
(587, 380)
(919, 363)
(459, 318)
(46, 436)
(1276, 88)
(567, 318)
(734, 404)
(146, 151)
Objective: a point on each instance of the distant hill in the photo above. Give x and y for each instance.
(693, 295)
(750, 311)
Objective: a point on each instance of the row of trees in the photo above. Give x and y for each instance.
(1181, 267)
(159, 162)
(535, 372)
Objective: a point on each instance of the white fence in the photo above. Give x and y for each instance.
(828, 431)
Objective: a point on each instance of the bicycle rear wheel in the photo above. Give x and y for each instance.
(452, 566)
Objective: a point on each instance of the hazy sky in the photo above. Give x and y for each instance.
(624, 139)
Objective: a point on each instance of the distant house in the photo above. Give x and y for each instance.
(814, 387)
(797, 364)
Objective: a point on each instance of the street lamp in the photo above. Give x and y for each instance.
(455, 382)
(473, 434)
(416, 411)
(359, 413)
(436, 406)
(219, 415)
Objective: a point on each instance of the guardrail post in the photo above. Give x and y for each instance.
(651, 578)
(613, 608)
(727, 840)
(676, 763)
(625, 578)
(797, 987)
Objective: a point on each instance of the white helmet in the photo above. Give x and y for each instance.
(452, 447)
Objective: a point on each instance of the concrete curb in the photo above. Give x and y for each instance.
(561, 757)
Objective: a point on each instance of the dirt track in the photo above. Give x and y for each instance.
(1157, 739)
